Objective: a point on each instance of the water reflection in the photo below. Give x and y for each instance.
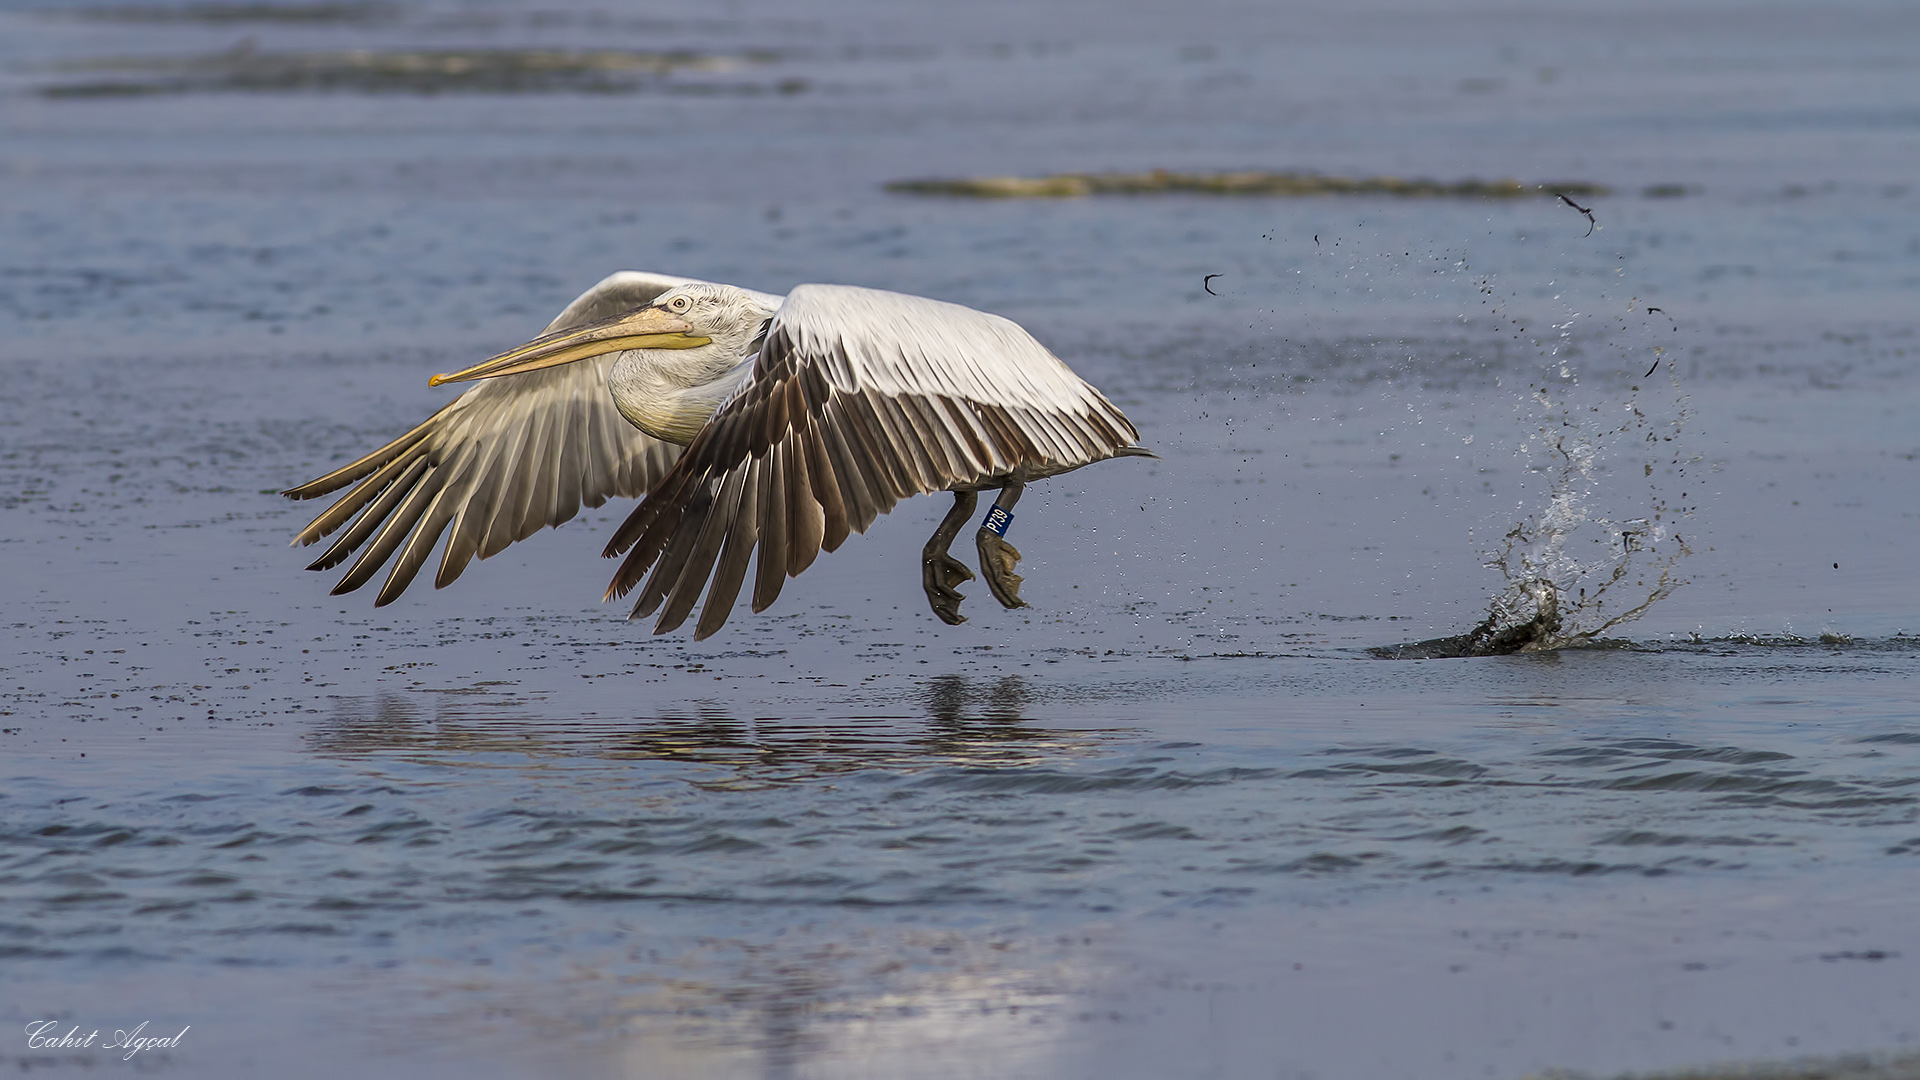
(967, 723)
(805, 998)
(949, 696)
(883, 1000)
(770, 964)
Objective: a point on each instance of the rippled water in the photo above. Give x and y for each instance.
(679, 879)
(399, 818)
(1176, 819)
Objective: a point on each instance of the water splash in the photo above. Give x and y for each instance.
(1589, 560)
(1599, 542)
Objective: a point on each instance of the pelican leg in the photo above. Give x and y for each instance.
(997, 557)
(941, 572)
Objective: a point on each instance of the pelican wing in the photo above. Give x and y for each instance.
(858, 399)
(496, 464)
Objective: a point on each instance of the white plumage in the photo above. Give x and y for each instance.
(804, 417)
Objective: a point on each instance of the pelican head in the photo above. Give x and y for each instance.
(718, 322)
(729, 317)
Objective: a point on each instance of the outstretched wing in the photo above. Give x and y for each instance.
(858, 399)
(496, 464)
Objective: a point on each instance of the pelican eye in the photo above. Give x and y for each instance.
(679, 304)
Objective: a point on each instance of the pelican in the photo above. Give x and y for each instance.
(741, 419)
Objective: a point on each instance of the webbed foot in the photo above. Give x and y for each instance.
(997, 560)
(941, 573)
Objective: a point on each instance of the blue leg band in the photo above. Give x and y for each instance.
(998, 518)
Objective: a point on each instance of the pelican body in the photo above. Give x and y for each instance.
(743, 420)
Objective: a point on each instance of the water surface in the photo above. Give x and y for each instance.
(1175, 819)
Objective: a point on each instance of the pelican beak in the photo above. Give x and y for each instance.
(642, 328)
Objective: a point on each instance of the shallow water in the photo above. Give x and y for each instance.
(1173, 820)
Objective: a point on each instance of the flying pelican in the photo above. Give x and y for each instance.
(801, 417)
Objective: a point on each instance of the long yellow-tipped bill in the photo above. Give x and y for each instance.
(643, 328)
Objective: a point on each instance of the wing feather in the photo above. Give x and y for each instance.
(685, 591)
(858, 398)
(925, 471)
(876, 452)
(507, 458)
(834, 524)
(407, 470)
(679, 550)
(857, 484)
(966, 424)
(942, 455)
(732, 568)
(771, 572)
(804, 517)
(418, 547)
(391, 533)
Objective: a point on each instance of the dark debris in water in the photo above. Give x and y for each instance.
(245, 69)
(1494, 637)
(1848, 1067)
(1244, 182)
